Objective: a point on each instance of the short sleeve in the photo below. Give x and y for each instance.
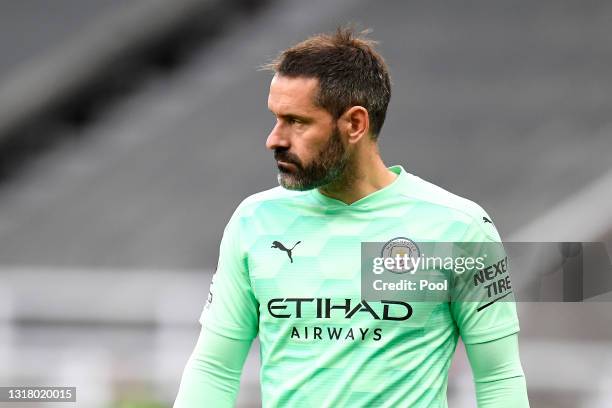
(231, 309)
(482, 301)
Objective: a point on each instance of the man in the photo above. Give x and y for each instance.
(290, 266)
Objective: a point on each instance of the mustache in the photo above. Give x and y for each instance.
(286, 156)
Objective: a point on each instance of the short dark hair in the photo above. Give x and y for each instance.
(349, 70)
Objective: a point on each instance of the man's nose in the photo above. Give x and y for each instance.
(277, 138)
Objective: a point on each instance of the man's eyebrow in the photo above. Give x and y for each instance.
(293, 116)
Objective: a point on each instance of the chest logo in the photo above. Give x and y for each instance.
(280, 246)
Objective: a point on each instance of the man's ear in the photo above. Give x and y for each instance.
(356, 123)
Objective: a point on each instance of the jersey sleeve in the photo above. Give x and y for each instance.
(231, 309)
(498, 375)
(211, 377)
(482, 301)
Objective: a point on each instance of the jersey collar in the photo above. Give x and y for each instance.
(366, 202)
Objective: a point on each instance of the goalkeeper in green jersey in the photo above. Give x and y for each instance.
(289, 268)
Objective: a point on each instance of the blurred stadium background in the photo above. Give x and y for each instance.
(129, 131)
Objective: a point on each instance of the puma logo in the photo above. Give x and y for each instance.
(280, 246)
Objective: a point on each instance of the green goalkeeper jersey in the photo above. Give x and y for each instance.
(290, 270)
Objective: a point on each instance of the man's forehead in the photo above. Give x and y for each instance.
(292, 92)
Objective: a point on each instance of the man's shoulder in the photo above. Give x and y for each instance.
(429, 193)
(273, 196)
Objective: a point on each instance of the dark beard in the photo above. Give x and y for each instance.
(328, 166)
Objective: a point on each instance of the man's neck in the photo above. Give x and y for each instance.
(360, 180)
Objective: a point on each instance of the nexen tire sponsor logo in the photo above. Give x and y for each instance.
(285, 308)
